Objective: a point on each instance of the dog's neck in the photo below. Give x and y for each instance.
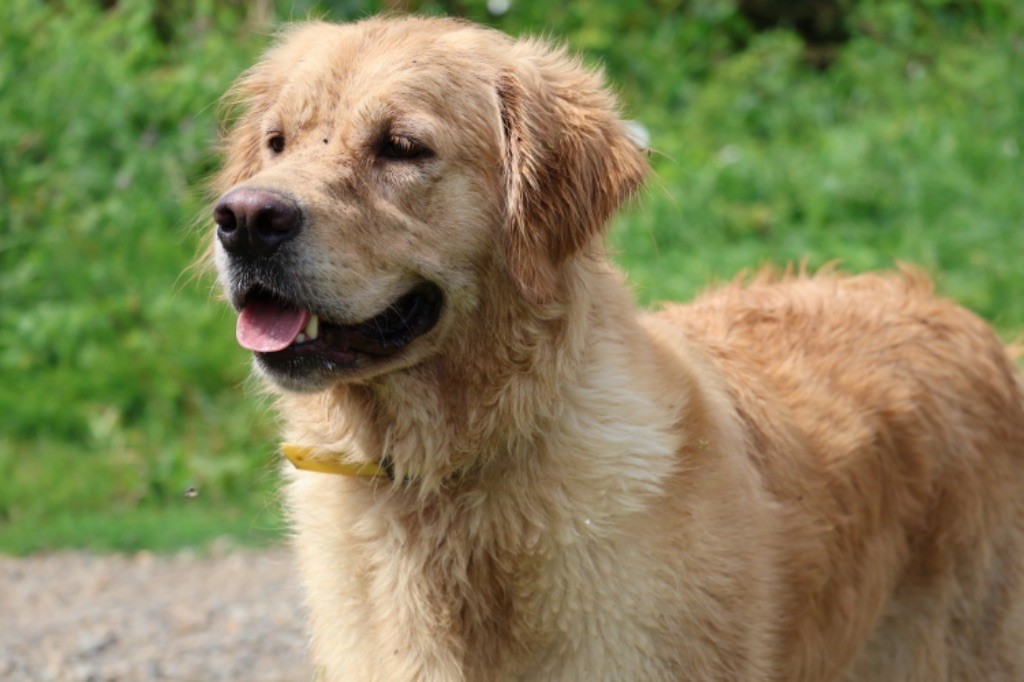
(485, 403)
(543, 436)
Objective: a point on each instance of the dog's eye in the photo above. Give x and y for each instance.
(402, 148)
(276, 142)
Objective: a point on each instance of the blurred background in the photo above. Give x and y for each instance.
(867, 131)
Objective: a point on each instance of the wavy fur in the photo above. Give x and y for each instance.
(796, 477)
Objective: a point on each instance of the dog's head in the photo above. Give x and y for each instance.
(382, 177)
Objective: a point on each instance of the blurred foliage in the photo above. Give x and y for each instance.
(121, 383)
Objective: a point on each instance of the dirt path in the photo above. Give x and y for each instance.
(84, 618)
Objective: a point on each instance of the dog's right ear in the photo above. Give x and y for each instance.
(568, 163)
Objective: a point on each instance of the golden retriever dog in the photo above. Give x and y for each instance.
(506, 471)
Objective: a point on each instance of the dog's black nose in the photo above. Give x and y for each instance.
(255, 221)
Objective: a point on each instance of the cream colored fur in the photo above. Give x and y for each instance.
(793, 478)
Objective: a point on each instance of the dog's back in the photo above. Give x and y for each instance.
(889, 423)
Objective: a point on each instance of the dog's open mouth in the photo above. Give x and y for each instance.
(281, 331)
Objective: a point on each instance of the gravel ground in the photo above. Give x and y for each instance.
(83, 618)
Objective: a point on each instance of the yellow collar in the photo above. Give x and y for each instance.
(325, 462)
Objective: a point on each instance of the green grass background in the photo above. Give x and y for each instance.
(120, 383)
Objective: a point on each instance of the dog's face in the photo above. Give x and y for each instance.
(384, 175)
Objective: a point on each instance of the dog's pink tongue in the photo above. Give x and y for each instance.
(268, 326)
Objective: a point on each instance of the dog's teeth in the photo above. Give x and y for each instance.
(313, 327)
(301, 338)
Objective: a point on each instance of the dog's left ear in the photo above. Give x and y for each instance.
(569, 163)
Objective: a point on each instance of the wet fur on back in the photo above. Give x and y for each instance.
(795, 477)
